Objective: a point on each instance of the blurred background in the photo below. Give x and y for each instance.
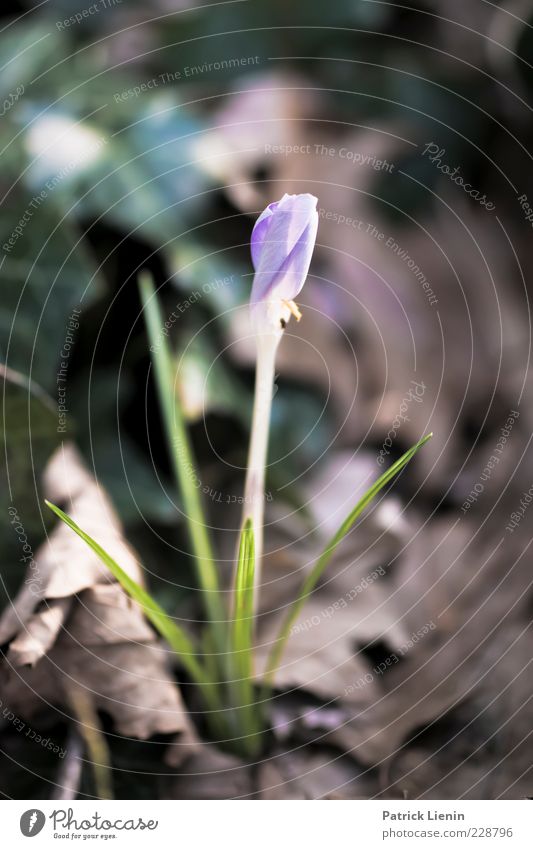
(139, 135)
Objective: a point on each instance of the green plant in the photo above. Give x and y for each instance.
(236, 715)
(221, 664)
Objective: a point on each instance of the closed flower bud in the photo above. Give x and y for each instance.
(282, 245)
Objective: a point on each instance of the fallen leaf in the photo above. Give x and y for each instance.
(211, 774)
(86, 632)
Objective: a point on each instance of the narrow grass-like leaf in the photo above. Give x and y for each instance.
(241, 642)
(181, 454)
(243, 601)
(314, 576)
(162, 622)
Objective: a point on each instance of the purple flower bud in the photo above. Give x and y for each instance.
(282, 245)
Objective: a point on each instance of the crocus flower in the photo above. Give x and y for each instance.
(282, 245)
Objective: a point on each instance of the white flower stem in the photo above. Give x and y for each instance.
(254, 488)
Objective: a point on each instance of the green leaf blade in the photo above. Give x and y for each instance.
(323, 561)
(249, 719)
(243, 621)
(181, 455)
(162, 622)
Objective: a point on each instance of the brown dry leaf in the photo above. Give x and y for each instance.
(39, 633)
(447, 607)
(66, 481)
(323, 653)
(88, 633)
(266, 108)
(351, 608)
(475, 592)
(65, 565)
(398, 336)
(302, 773)
(131, 682)
(313, 773)
(212, 774)
(480, 751)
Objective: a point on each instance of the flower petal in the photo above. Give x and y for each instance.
(283, 247)
(260, 230)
